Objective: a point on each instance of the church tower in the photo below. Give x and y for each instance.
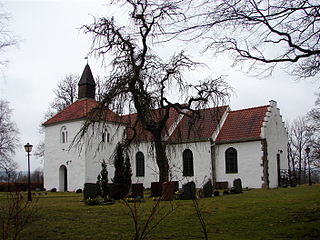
(86, 85)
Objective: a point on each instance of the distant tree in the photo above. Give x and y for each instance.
(313, 118)
(262, 33)
(299, 139)
(8, 138)
(140, 80)
(6, 37)
(37, 175)
(102, 180)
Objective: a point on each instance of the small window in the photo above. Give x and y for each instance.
(140, 164)
(105, 136)
(187, 158)
(64, 135)
(231, 160)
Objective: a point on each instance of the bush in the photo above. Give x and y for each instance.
(53, 190)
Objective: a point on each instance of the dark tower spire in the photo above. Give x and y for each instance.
(86, 85)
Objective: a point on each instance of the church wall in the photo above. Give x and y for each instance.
(201, 163)
(250, 171)
(96, 150)
(57, 154)
(277, 139)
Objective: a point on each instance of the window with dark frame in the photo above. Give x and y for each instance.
(64, 135)
(187, 158)
(140, 164)
(231, 160)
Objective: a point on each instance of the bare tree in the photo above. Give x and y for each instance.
(262, 33)
(299, 139)
(6, 37)
(313, 118)
(8, 138)
(140, 80)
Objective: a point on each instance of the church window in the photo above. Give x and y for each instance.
(64, 135)
(140, 164)
(187, 158)
(105, 136)
(231, 160)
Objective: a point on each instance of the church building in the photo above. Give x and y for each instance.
(221, 145)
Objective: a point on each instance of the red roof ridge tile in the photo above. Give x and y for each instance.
(251, 108)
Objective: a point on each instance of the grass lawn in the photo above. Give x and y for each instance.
(286, 213)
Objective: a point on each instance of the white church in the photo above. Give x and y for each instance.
(222, 145)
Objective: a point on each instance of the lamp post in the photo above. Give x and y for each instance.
(28, 148)
(308, 151)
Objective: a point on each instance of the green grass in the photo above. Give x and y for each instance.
(287, 213)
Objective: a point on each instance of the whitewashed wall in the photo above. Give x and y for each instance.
(277, 139)
(201, 162)
(250, 170)
(96, 151)
(58, 153)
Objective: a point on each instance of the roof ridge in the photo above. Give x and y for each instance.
(251, 108)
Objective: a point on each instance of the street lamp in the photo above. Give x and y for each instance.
(28, 148)
(308, 151)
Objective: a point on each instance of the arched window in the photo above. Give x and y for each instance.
(64, 135)
(187, 158)
(139, 164)
(231, 160)
(105, 136)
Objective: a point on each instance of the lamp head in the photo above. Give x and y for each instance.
(28, 147)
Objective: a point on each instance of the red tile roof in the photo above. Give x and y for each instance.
(200, 126)
(243, 125)
(141, 133)
(79, 110)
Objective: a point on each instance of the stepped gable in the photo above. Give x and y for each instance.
(80, 110)
(243, 125)
(143, 135)
(200, 127)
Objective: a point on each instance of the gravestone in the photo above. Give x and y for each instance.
(207, 189)
(137, 190)
(90, 190)
(118, 190)
(189, 191)
(156, 189)
(176, 186)
(221, 185)
(237, 185)
(168, 190)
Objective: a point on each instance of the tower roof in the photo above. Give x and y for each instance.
(87, 77)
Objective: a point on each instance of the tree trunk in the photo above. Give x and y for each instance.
(161, 158)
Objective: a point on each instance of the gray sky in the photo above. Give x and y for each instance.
(52, 46)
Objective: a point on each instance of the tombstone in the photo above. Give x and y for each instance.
(156, 189)
(221, 185)
(189, 191)
(117, 190)
(137, 190)
(207, 189)
(216, 193)
(90, 190)
(168, 190)
(237, 185)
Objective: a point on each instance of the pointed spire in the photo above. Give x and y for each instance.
(86, 85)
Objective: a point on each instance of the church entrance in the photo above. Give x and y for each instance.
(63, 179)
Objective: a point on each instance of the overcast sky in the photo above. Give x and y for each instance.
(52, 46)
